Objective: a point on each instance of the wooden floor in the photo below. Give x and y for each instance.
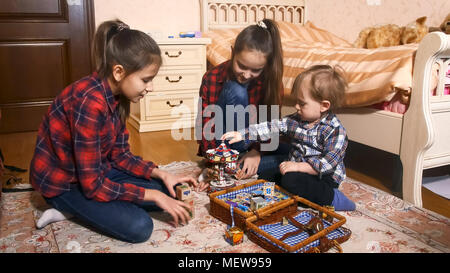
(373, 167)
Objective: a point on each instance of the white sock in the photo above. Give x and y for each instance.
(50, 216)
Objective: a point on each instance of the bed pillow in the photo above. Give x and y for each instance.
(222, 39)
(309, 34)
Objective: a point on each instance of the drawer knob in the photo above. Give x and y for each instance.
(173, 56)
(174, 105)
(169, 80)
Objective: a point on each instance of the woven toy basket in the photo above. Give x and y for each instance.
(221, 210)
(265, 229)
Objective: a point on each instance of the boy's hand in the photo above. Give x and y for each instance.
(289, 166)
(303, 167)
(233, 137)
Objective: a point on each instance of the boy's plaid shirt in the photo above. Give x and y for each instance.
(80, 139)
(322, 146)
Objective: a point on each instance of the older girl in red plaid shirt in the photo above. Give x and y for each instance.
(82, 163)
(253, 76)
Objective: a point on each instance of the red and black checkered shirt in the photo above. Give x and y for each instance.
(212, 84)
(80, 139)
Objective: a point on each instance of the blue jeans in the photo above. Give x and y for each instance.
(123, 220)
(268, 168)
(233, 94)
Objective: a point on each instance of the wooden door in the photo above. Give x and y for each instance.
(44, 46)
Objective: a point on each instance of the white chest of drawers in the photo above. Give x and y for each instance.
(173, 102)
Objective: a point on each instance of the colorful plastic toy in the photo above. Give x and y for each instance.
(234, 235)
(190, 34)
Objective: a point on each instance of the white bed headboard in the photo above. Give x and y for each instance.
(218, 14)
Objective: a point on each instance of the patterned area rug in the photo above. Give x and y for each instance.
(381, 223)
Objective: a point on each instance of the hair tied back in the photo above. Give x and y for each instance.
(261, 24)
(122, 26)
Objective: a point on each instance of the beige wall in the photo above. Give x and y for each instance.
(158, 16)
(344, 18)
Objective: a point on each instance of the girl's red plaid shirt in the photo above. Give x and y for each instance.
(80, 139)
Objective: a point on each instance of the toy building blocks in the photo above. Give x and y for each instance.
(257, 203)
(191, 204)
(269, 188)
(183, 192)
(243, 196)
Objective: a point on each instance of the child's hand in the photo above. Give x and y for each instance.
(289, 166)
(171, 180)
(202, 186)
(303, 167)
(233, 137)
(250, 165)
(177, 209)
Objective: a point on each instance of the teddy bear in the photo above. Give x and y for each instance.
(392, 35)
(444, 27)
(414, 31)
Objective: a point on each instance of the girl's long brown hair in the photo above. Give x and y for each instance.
(267, 40)
(116, 43)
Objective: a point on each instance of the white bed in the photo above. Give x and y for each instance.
(420, 137)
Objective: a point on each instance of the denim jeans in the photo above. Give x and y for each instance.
(268, 168)
(123, 220)
(233, 94)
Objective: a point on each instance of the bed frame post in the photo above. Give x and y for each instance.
(417, 130)
(204, 15)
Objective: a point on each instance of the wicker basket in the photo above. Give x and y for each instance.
(332, 235)
(221, 210)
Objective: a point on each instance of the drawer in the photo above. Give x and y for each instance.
(177, 80)
(163, 105)
(173, 55)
